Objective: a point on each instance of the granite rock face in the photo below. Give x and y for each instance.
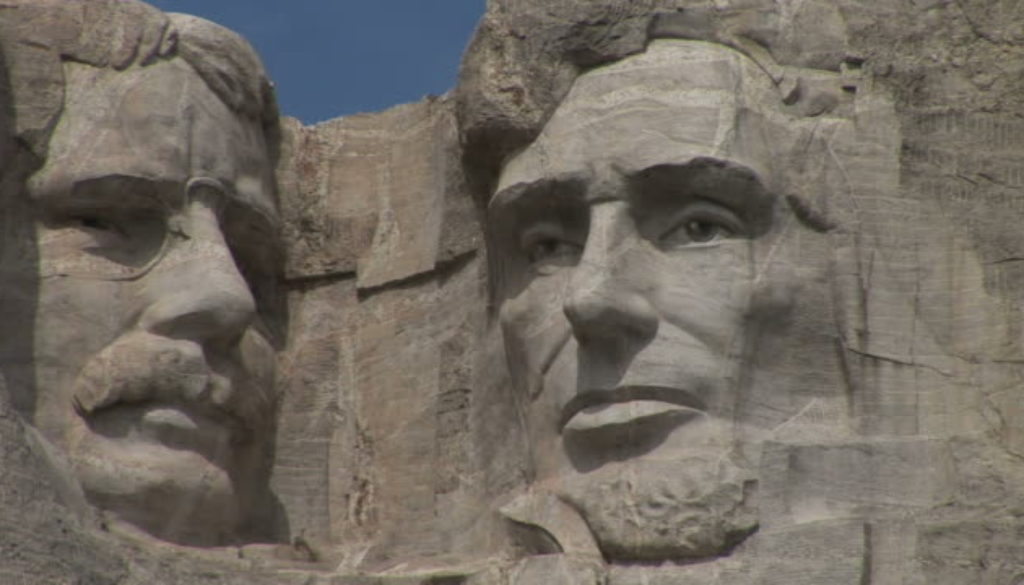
(387, 297)
(664, 292)
(139, 254)
(833, 349)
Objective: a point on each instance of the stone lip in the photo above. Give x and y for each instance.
(179, 425)
(627, 404)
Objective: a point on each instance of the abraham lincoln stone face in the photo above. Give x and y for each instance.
(648, 272)
(155, 222)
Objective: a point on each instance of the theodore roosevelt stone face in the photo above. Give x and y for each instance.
(646, 275)
(155, 234)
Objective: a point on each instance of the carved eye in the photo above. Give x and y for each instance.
(96, 222)
(706, 231)
(701, 223)
(100, 243)
(551, 249)
(547, 248)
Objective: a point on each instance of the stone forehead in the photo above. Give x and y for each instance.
(669, 66)
(676, 101)
(160, 121)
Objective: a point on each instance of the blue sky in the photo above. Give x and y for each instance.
(334, 57)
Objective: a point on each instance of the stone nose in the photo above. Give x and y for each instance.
(604, 303)
(609, 315)
(197, 292)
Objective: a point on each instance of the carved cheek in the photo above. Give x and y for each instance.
(706, 292)
(535, 329)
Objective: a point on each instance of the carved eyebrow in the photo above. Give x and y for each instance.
(114, 190)
(138, 193)
(733, 184)
(563, 188)
(724, 182)
(741, 185)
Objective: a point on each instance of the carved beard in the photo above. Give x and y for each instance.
(693, 508)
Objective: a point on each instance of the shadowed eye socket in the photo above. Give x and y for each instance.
(95, 221)
(552, 250)
(100, 242)
(701, 222)
(547, 247)
(701, 202)
(106, 227)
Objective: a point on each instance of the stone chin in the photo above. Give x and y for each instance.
(685, 510)
(174, 495)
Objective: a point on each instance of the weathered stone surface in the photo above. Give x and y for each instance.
(824, 480)
(375, 450)
(877, 322)
(142, 249)
(379, 195)
(365, 445)
(664, 292)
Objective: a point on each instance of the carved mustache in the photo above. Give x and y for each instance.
(146, 368)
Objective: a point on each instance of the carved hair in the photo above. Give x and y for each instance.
(38, 35)
(228, 65)
(526, 54)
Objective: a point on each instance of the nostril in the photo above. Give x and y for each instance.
(611, 316)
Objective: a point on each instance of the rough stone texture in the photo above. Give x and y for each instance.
(373, 458)
(387, 308)
(870, 432)
(130, 275)
(886, 399)
(377, 195)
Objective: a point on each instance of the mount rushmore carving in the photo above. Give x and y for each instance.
(661, 292)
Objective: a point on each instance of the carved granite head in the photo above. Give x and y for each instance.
(154, 254)
(661, 284)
